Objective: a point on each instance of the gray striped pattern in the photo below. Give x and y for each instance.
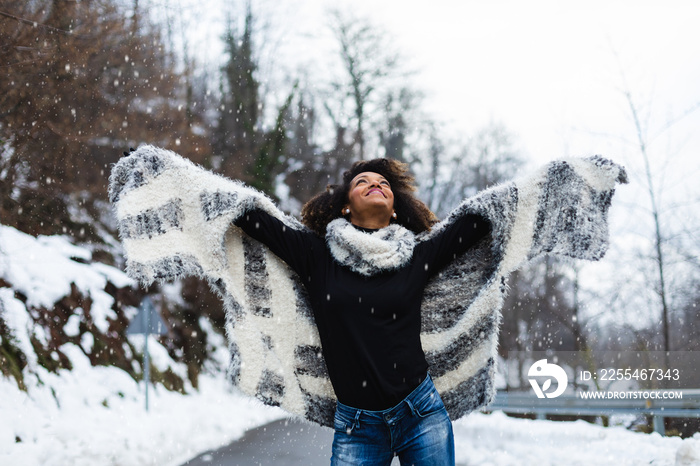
(153, 222)
(215, 204)
(471, 394)
(166, 269)
(256, 278)
(464, 280)
(463, 346)
(565, 222)
(320, 410)
(133, 172)
(309, 361)
(270, 388)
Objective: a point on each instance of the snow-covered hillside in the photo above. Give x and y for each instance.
(95, 414)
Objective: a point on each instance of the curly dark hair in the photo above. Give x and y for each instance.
(411, 213)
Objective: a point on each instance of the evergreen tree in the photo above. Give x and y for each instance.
(246, 150)
(235, 137)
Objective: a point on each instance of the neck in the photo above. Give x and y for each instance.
(370, 223)
(366, 230)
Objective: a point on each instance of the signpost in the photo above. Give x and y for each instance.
(147, 322)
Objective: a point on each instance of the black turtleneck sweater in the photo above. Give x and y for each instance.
(369, 326)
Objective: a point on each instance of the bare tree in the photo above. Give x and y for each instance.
(542, 313)
(79, 87)
(667, 240)
(459, 170)
(397, 106)
(369, 63)
(655, 213)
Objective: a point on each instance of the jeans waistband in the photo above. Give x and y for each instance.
(425, 388)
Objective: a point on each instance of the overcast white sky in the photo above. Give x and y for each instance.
(549, 70)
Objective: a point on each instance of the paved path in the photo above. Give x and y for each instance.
(281, 443)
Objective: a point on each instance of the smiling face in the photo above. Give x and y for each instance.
(370, 200)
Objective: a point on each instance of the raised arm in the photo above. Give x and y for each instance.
(174, 216)
(560, 209)
(177, 219)
(295, 246)
(451, 240)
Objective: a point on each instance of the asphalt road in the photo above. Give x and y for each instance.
(285, 442)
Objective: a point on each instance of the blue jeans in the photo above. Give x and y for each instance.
(418, 430)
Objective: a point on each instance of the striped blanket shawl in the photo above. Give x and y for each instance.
(175, 220)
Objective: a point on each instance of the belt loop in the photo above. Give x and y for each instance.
(410, 406)
(356, 422)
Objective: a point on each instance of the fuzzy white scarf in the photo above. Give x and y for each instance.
(369, 253)
(176, 219)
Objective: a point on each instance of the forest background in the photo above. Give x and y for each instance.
(82, 81)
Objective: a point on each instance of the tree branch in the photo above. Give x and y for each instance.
(38, 24)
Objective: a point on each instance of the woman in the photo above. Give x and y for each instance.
(344, 333)
(370, 324)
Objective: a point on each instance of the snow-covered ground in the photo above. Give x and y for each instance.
(498, 440)
(96, 415)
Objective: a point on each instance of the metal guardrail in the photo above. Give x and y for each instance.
(574, 405)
